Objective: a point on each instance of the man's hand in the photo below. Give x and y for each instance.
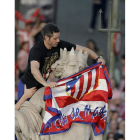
(17, 106)
(101, 60)
(51, 84)
(29, 92)
(91, 53)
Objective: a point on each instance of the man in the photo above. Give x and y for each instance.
(96, 6)
(42, 55)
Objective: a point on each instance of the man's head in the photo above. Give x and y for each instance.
(51, 34)
(113, 125)
(28, 26)
(91, 44)
(25, 46)
(122, 125)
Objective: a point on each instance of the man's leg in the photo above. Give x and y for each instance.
(20, 90)
(95, 10)
(103, 7)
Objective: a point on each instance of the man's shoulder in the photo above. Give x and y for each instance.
(61, 41)
(38, 45)
(64, 44)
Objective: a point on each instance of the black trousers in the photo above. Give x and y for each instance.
(95, 12)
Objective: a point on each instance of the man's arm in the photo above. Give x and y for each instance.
(91, 53)
(37, 30)
(37, 22)
(37, 75)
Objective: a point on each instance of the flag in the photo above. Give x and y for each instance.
(82, 98)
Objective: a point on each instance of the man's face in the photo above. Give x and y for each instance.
(91, 46)
(28, 27)
(53, 41)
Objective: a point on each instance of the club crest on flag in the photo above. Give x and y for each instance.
(71, 86)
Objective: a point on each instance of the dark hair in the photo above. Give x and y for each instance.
(120, 136)
(109, 134)
(22, 44)
(93, 42)
(49, 29)
(123, 56)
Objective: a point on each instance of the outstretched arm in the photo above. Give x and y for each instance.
(27, 94)
(91, 53)
(37, 75)
(37, 30)
(37, 22)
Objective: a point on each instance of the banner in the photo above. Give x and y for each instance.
(47, 9)
(82, 98)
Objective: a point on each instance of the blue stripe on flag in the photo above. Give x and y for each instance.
(95, 133)
(108, 82)
(50, 133)
(51, 109)
(46, 97)
(59, 114)
(50, 121)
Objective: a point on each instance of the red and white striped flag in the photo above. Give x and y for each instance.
(82, 97)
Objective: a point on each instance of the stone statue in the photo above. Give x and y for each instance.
(29, 118)
(69, 63)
